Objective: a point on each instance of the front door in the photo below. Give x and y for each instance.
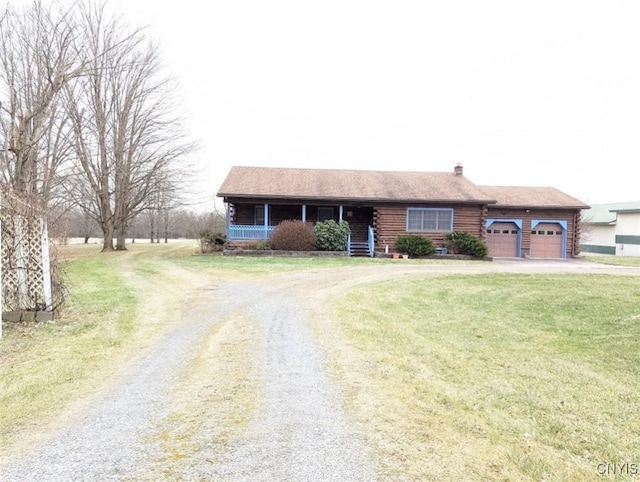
(359, 219)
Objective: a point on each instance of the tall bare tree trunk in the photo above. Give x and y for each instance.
(166, 226)
(158, 229)
(152, 226)
(107, 241)
(121, 242)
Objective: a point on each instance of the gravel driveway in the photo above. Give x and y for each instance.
(301, 431)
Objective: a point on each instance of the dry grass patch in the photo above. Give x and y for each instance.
(42, 365)
(492, 377)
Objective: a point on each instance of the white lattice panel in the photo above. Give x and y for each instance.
(23, 256)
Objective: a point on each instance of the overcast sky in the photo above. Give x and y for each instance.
(521, 93)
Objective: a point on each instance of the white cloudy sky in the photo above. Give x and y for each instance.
(520, 93)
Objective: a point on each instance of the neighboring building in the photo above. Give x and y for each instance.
(382, 205)
(612, 229)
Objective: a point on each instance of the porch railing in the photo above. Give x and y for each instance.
(249, 231)
(370, 241)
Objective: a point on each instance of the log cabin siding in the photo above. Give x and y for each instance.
(571, 216)
(390, 221)
(577, 223)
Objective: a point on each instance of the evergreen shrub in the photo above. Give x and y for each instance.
(332, 236)
(414, 245)
(461, 242)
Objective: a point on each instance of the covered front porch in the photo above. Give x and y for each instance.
(250, 221)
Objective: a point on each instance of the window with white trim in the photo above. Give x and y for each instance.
(429, 219)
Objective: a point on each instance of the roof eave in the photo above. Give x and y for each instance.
(539, 206)
(353, 199)
(599, 223)
(625, 211)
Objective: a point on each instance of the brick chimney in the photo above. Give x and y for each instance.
(458, 170)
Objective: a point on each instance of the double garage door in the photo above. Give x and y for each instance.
(503, 240)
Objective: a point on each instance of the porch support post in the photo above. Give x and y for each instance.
(304, 213)
(266, 221)
(340, 210)
(228, 220)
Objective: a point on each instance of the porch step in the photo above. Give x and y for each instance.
(359, 249)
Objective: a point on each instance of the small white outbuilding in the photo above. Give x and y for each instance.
(612, 229)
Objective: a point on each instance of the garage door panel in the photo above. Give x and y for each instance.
(546, 241)
(502, 240)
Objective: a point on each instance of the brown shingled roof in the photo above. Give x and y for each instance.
(338, 184)
(549, 197)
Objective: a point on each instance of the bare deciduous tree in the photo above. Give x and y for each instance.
(85, 109)
(127, 136)
(38, 56)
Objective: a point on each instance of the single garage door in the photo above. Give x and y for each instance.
(502, 240)
(546, 241)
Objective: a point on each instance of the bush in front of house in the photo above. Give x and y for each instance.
(293, 236)
(461, 242)
(332, 236)
(211, 241)
(414, 245)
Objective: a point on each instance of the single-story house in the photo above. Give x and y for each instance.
(382, 205)
(612, 229)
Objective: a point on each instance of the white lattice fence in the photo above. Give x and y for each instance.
(26, 278)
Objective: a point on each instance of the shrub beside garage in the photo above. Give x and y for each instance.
(460, 242)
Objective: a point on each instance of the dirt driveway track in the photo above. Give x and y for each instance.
(299, 430)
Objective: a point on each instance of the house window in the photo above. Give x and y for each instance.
(259, 215)
(324, 214)
(429, 219)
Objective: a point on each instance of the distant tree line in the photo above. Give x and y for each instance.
(89, 127)
(149, 226)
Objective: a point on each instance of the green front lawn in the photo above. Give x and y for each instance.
(614, 260)
(496, 377)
